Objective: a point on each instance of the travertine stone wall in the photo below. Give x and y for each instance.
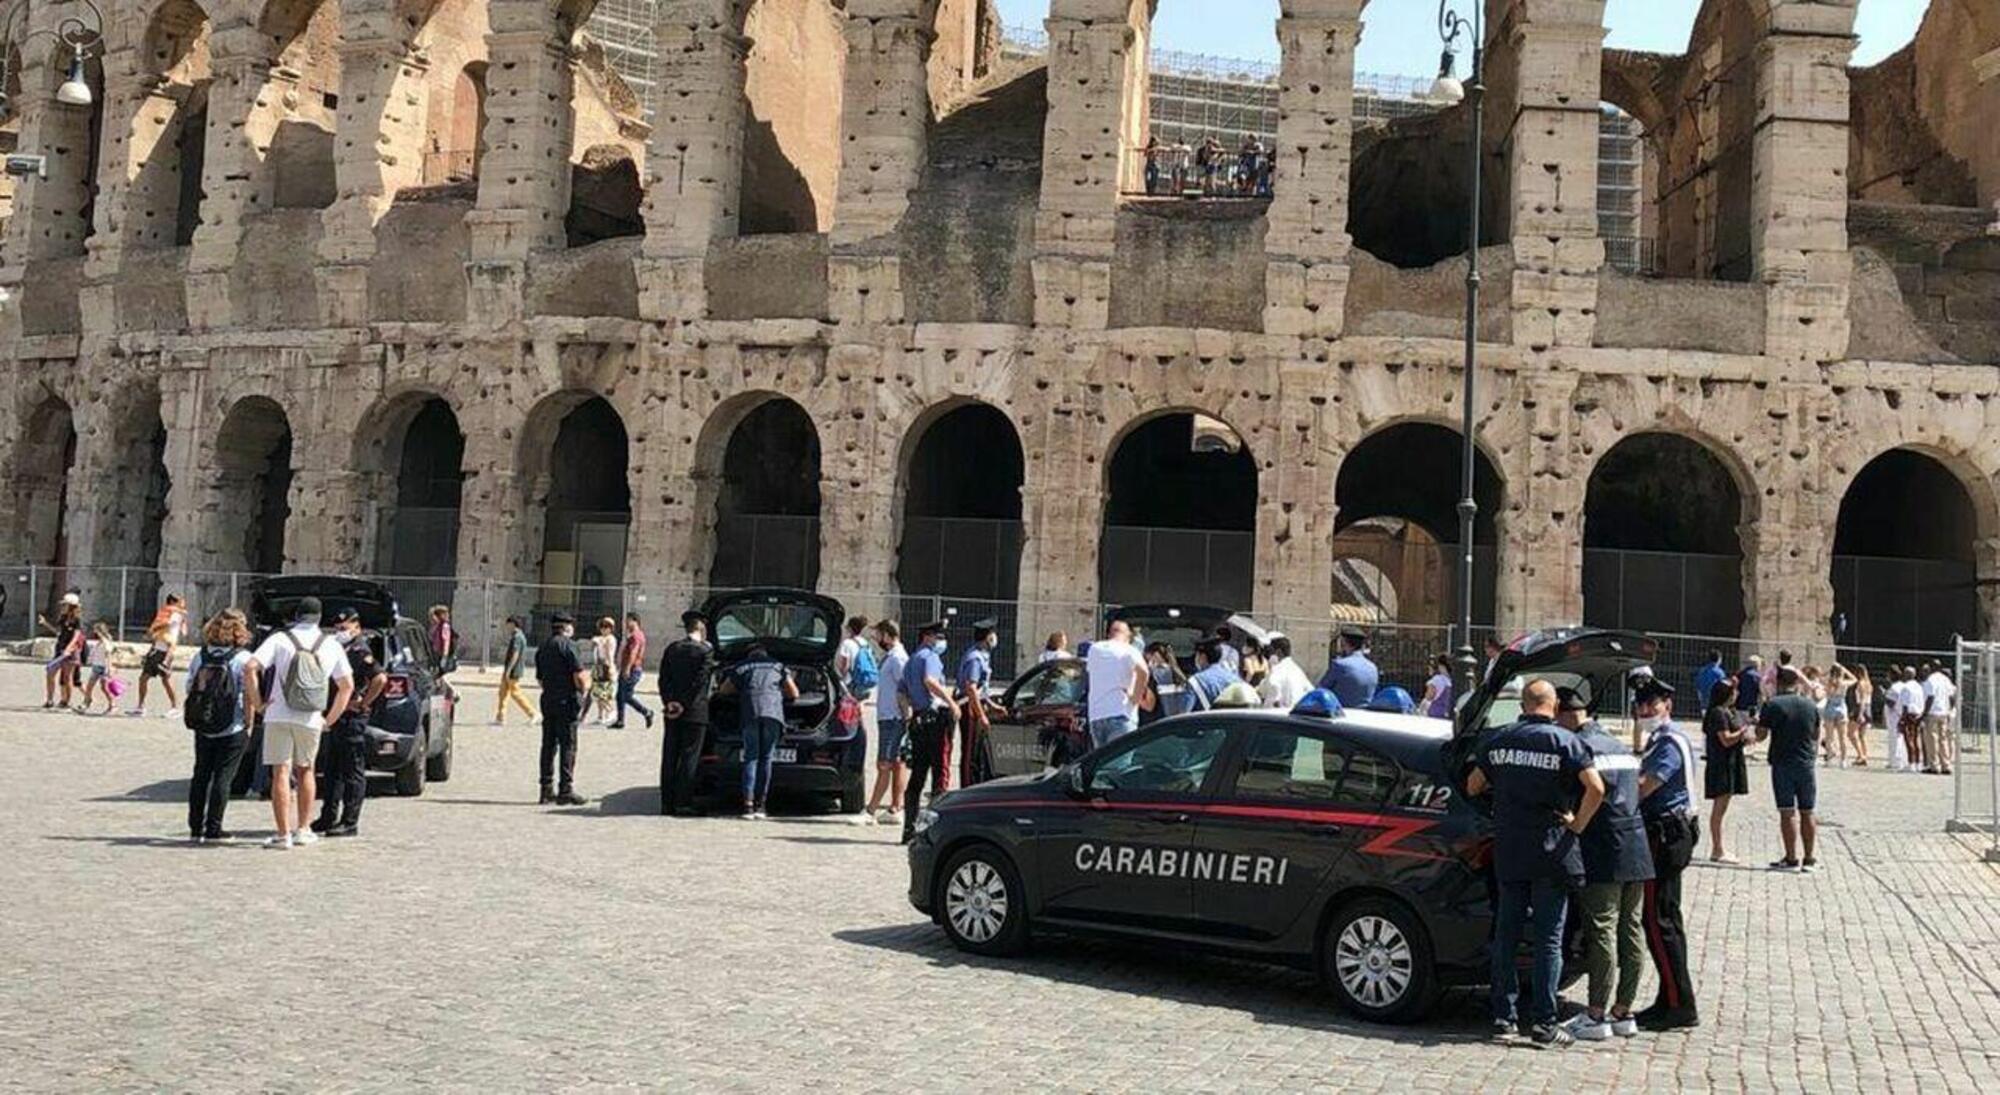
(1307, 242)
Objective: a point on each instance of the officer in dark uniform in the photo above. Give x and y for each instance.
(975, 681)
(1616, 867)
(687, 673)
(1536, 771)
(932, 715)
(345, 783)
(1664, 773)
(559, 670)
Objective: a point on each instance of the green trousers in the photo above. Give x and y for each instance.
(1614, 934)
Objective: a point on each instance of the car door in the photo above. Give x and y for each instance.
(1117, 856)
(1294, 803)
(1044, 719)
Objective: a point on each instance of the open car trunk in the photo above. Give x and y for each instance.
(804, 717)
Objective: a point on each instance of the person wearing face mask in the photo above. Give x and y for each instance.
(975, 680)
(933, 713)
(1667, 805)
(345, 746)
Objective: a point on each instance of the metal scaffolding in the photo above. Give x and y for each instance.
(625, 29)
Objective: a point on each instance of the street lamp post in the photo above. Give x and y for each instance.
(1451, 26)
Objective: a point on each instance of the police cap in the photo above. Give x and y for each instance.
(935, 627)
(345, 614)
(692, 617)
(1569, 699)
(1354, 637)
(1648, 689)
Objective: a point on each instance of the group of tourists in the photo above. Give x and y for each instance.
(1209, 169)
(81, 670)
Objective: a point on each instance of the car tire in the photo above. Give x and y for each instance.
(981, 902)
(437, 769)
(410, 777)
(854, 793)
(1376, 958)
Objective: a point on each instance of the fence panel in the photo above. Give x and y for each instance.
(1975, 803)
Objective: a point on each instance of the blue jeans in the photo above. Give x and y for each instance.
(1548, 898)
(760, 741)
(1105, 731)
(626, 687)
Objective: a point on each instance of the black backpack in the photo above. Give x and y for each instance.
(215, 696)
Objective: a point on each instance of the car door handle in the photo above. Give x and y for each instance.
(1168, 816)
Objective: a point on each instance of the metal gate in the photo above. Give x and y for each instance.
(1975, 800)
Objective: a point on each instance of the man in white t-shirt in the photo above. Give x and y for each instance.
(1285, 684)
(291, 736)
(1892, 713)
(1940, 703)
(1910, 697)
(1117, 679)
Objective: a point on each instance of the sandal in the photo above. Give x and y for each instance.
(1728, 860)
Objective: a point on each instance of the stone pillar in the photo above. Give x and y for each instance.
(1798, 199)
(321, 535)
(1295, 517)
(1787, 540)
(378, 148)
(1306, 245)
(48, 219)
(524, 176)
(1555, 50)
(1096, 81)
(1539, 576)
(138, 120)
(695, 157)
(245, 107)
(885, 120)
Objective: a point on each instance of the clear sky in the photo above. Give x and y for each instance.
(1401, 35)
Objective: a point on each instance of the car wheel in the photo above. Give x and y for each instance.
(1377, 959)
(437, 769)
(854, 794)
(981, 903)
(410, 777)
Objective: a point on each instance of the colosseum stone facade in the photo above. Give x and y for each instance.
(857, 300)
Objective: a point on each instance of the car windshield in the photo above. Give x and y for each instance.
(797, 623)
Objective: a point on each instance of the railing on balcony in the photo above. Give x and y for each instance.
(1182, 170)
(444, 166)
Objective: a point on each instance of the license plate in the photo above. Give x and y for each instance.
(785, 756)
(388, 748)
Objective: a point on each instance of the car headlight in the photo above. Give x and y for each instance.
(926, 818)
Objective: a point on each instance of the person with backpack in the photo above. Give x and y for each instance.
(854, 663)
(312, 684)
(221, 697)
(347, 737)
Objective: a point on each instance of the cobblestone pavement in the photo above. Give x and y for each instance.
(470, 939)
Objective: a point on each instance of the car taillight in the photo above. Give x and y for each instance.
(849, 713)
(398, 687)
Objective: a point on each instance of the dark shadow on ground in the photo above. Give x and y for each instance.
(886, 842)
(164, 790)
(1271, 994)
(631, 802)
(243, 839)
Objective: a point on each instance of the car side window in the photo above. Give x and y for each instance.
(414, 645)
(1174, 761)
(1280, 763)
(1369, 779)
(1062, 685)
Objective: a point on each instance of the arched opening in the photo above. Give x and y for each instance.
(1905, 574)
(1661, 547)
(1206, 124)
(587, 506)
(167, 130)
(961, 539)
(455, 142)
(604, 196)
(424, 450)
(304, 86)
(1397, 494)
(253, 468)
(131, 507)
(1707, 152)
(767, 502)
(43, 457)
(794, 80)
(1180, 515)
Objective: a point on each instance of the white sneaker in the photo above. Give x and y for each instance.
(890, 817)
(281, 840)
(173, 713)
(304, 837)
(496, 722)
(1586, 1029)
(861, 819)
(1625, 1028)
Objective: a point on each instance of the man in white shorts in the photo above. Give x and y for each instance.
(298, 709)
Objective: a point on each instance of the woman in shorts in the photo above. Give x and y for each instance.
(61, 669)
(1725, 732)
(1834, 712)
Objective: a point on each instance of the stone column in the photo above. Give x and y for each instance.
(1798, 197)
(524, 176)
(885, 120)
(1096, 81)
(1788, 541)
(48, 219)
(138, 114)
(1539, 573)
(378, 143)
(245, 108)
(1295, 516)
(1555, 49)
(321, 535)
(1306, 245)
(695, 157)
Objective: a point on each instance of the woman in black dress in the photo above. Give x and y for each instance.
(1724, 730)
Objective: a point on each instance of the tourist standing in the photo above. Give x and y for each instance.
(1616, 867)
(603, 670)
(1750, 685)
(1940, 707)
(687, 673)
(61, 668)
(1285, 684)
(444, 640)
(1910, 701)
(1725, 735)
(1792, 722)
(513, 663)
(1436, 703)
(222, 695)
(559, 670)
(1167, 692)
(1837, 681)
(1352, 676)
(307, 665)
(1212, 674)
(1056, 647)
(1862, 717)
(1708, 676)
(891, 717)
(631, 669)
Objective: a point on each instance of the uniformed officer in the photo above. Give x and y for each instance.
(1536, 771)
(932, 715)
(975, 680)
(559, 670)
(1616, 866)
(1212, 673)
(346, 782)
(1671, 833)
(1352, 675)
(687, 673)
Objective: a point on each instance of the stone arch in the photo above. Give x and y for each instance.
(960, 472)
(757, 481)
(1408, 469)
(410, 454)
(794, 73)
(301, 76)
(253, 469)
(1914, 555)
(574, 460)
(44, 456)
(1180, 511)
(1663, 526)
(1706, 156)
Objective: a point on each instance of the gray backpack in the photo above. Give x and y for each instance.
(305, 683)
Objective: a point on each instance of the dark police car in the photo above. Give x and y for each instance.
(1339, 843)
(410, 729)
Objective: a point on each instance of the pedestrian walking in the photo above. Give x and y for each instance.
(603, 671)
(1750, 685)
(444, 640)
(559, 671)
(1536, 772)
(1056, 647)
(97, 650)
(1352, 676)
(222, 696)
(1726, 733)
(853, 645)
(1118, 679)
(1940, 711)
(513, 663)
(59, 673)
(162, 635)
(1861, 718)
(687, 673)
(1792, 723)
(346, 739)
(1285, 683)
(1617, 864)
(1666, 802)
(1910, 719)
(1436, 703)
(631, 657)
(976, 702)
(313, 683)
(1708, 676)
(933, 714)
(891, 717)
(764, 686)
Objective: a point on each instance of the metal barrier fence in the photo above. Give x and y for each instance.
(1975, 798)
(1182, 171)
